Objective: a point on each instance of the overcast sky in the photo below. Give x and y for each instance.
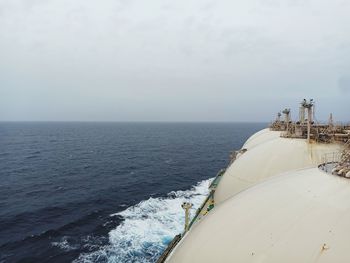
(172, 60)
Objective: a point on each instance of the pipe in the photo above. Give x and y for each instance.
(309, 120)
(301, 114)
(187, 206)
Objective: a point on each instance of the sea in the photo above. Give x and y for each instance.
(86, 192)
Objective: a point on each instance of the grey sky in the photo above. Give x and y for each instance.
(165, 60)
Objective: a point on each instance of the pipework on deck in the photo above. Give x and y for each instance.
(307, 128)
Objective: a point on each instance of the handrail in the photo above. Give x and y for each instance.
(199, 210)
(168, 250)
(178, 237)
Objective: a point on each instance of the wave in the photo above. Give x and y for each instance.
(147, 228)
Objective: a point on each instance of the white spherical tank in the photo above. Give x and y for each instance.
(300, 216)
(261, 137)
(268, 154)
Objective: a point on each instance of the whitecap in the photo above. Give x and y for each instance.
(64, 244)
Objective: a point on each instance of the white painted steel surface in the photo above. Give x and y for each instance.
(299, 216)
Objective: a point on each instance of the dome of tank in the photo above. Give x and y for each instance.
(300, 216)
(270, 158)
(261, 137)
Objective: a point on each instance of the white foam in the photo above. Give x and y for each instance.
(64, 244)
(147, 228)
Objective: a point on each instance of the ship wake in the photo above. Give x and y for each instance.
(147, 228)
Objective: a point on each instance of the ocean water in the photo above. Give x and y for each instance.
(104, 192)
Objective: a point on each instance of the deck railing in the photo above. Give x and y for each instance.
(332, 157)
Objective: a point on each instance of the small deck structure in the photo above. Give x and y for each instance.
(307, 128)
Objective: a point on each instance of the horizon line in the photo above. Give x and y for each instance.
(133, 121)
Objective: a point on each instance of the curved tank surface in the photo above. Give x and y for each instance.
(261, 137)
(270, 155)
(299, 216)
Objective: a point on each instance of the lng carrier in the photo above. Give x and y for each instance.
(283, 198)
